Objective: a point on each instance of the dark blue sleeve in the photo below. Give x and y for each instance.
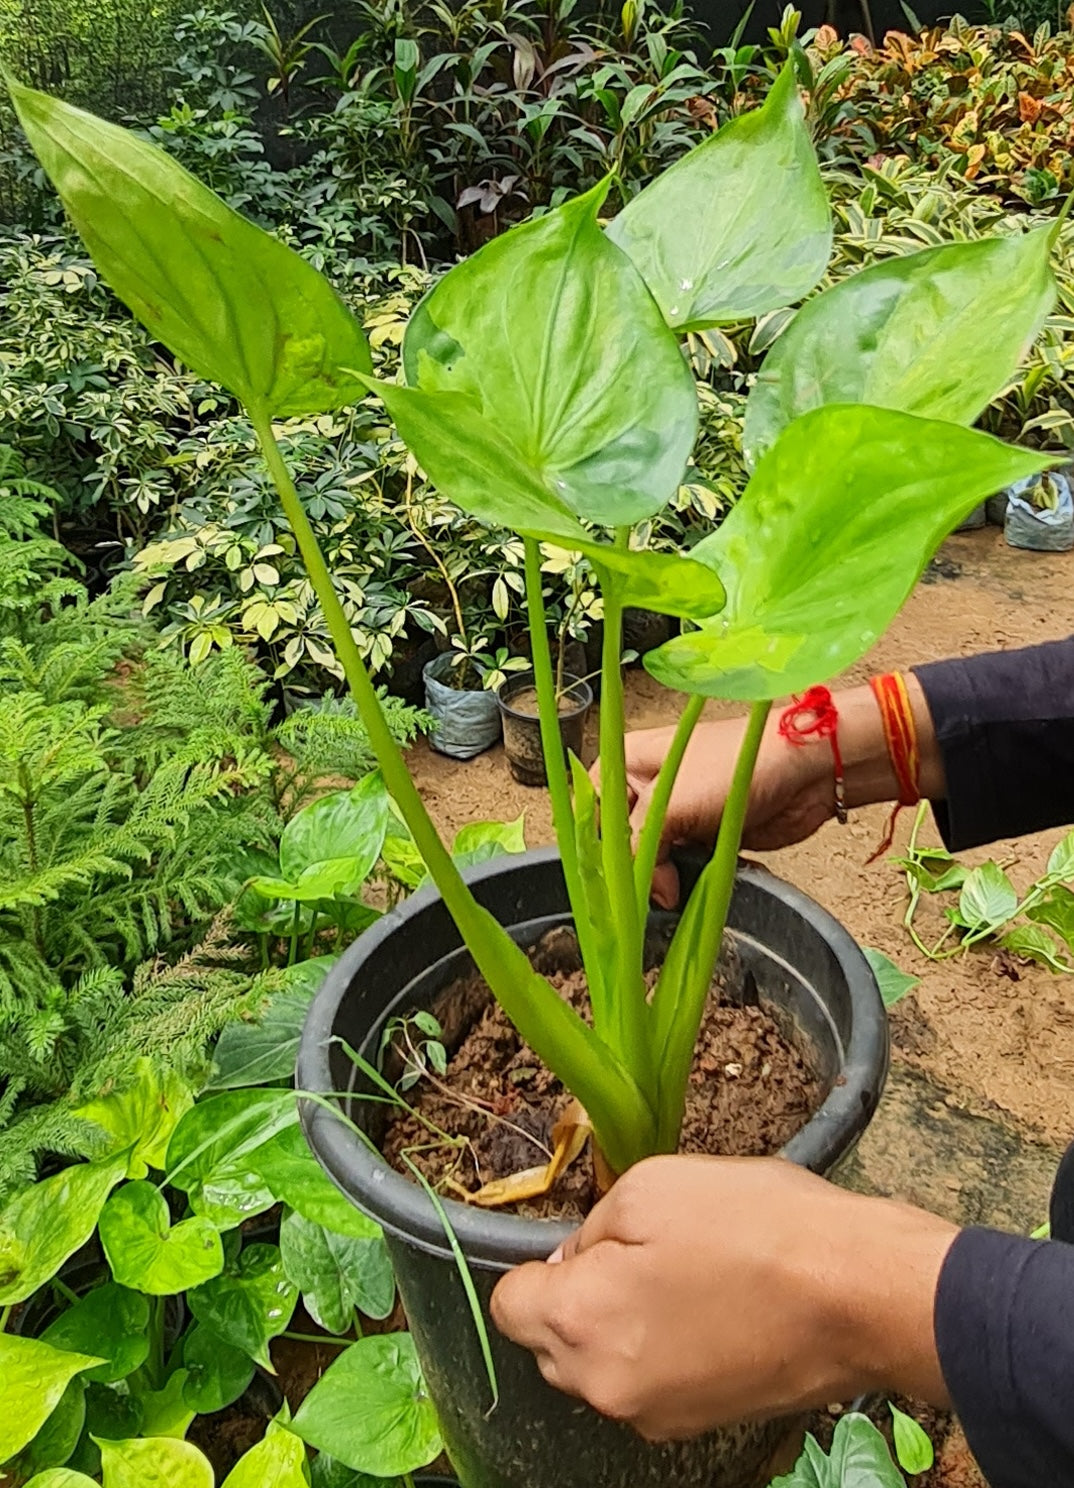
(1005, 725)
(1005, 1334)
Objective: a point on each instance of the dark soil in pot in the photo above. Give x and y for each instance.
(519, 710)
(808, 975)
(752, 1086)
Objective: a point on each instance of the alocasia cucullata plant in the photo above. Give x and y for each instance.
(546, 391)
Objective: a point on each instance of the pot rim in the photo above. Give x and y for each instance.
(492, 1241)
(577, 688)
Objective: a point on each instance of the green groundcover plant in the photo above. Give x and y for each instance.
(546, 392)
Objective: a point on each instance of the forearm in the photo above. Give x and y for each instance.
(869, 773)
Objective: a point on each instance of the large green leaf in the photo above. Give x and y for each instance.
(233, 303)
(154, 1462)
(33, 1377)
(342, 824)
(209, 1153)
(265, 1049)
(740, 225)
(371, 1410)
(48, 1221)
(250, 1304)
(216, 1372)
(277, 1461)
(337, 1273)
(551, 334)
(476, 466)
(142, 1116)
(859, 1459)
(61, 1477)
(988, 897)
(147, 1252)
(288, 1167)
(936, 333)
(110, 1321)
(54, 1444)
(826, 543)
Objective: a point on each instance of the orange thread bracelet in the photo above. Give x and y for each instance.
(900, 735)
(815, 716)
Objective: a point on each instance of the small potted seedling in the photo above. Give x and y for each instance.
(546, 392)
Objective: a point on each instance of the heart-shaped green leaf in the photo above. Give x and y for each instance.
(264, 1049)
(740, 225)
(110, 1321)
(154, 1462)
(232, 302)
(343, 824)
(142, 1116)
(988, 897)
(936, 333)
(826, 543)
(859, 1459)
(551, 335)
(337, 1273)
(371, 1410)
(208, 1156)
(474, 464)
(288, 1167)
(278, 1461)
(35, 1376)
(216, 1373)
(61, 1477)
(893, 983)
(250, 1304)
(48, 1221)
(165, 1412)
(147, 1252)
(55, 1443)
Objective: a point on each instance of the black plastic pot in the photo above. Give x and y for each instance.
(522, 729)
(809, 973)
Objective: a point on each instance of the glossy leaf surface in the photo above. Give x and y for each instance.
(209, 1154)
(250, 1304)
(35, 1376)
(150, 1254)
(913, 1449)
(110, 1321)
(371, 1410)
(216, 1373)
(154, 1462)
(936, 333)
(988, 897)
(337, 1273)
(232, 302)
(48, 1221)
(552, 336)
(61, 1477)
(141, 1117)
(343, 824)
(296, 1178)
(893, 983)
(826, 543)
(277, 1461)
(473, 464)
(740, 225)
(54, 1444)
(859, 1459)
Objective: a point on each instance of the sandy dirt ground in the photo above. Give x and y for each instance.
(1004, 1046)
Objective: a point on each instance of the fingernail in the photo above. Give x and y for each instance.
(556, 1256)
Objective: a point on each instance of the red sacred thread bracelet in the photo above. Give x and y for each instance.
(900, 735)
(815, 716)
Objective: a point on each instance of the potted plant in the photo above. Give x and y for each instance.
(547, 393)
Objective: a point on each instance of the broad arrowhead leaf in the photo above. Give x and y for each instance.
(277, 1461)
(936, 333)
(1057, 911)
(474, 464)
(48, 1221)
(142, 1117)
(265, 1049)
(1061, 859)
(552, 336)
(250, 1304)
(165, 1412)
(371, 1410)
(826, 543)
(740, 225)
(154, 1462)
(344, 824)
(288, 1167)
(1036, 944)
(111, 1321)
(859, 1459)
(209, 1153)
(232, 302)
(988, 897)
(337, 1273)
(35, 1376)
(150, 1254)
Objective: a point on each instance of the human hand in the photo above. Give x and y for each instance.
(791, 795)
(703, 1291)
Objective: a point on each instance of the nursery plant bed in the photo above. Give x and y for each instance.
(808, 975)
